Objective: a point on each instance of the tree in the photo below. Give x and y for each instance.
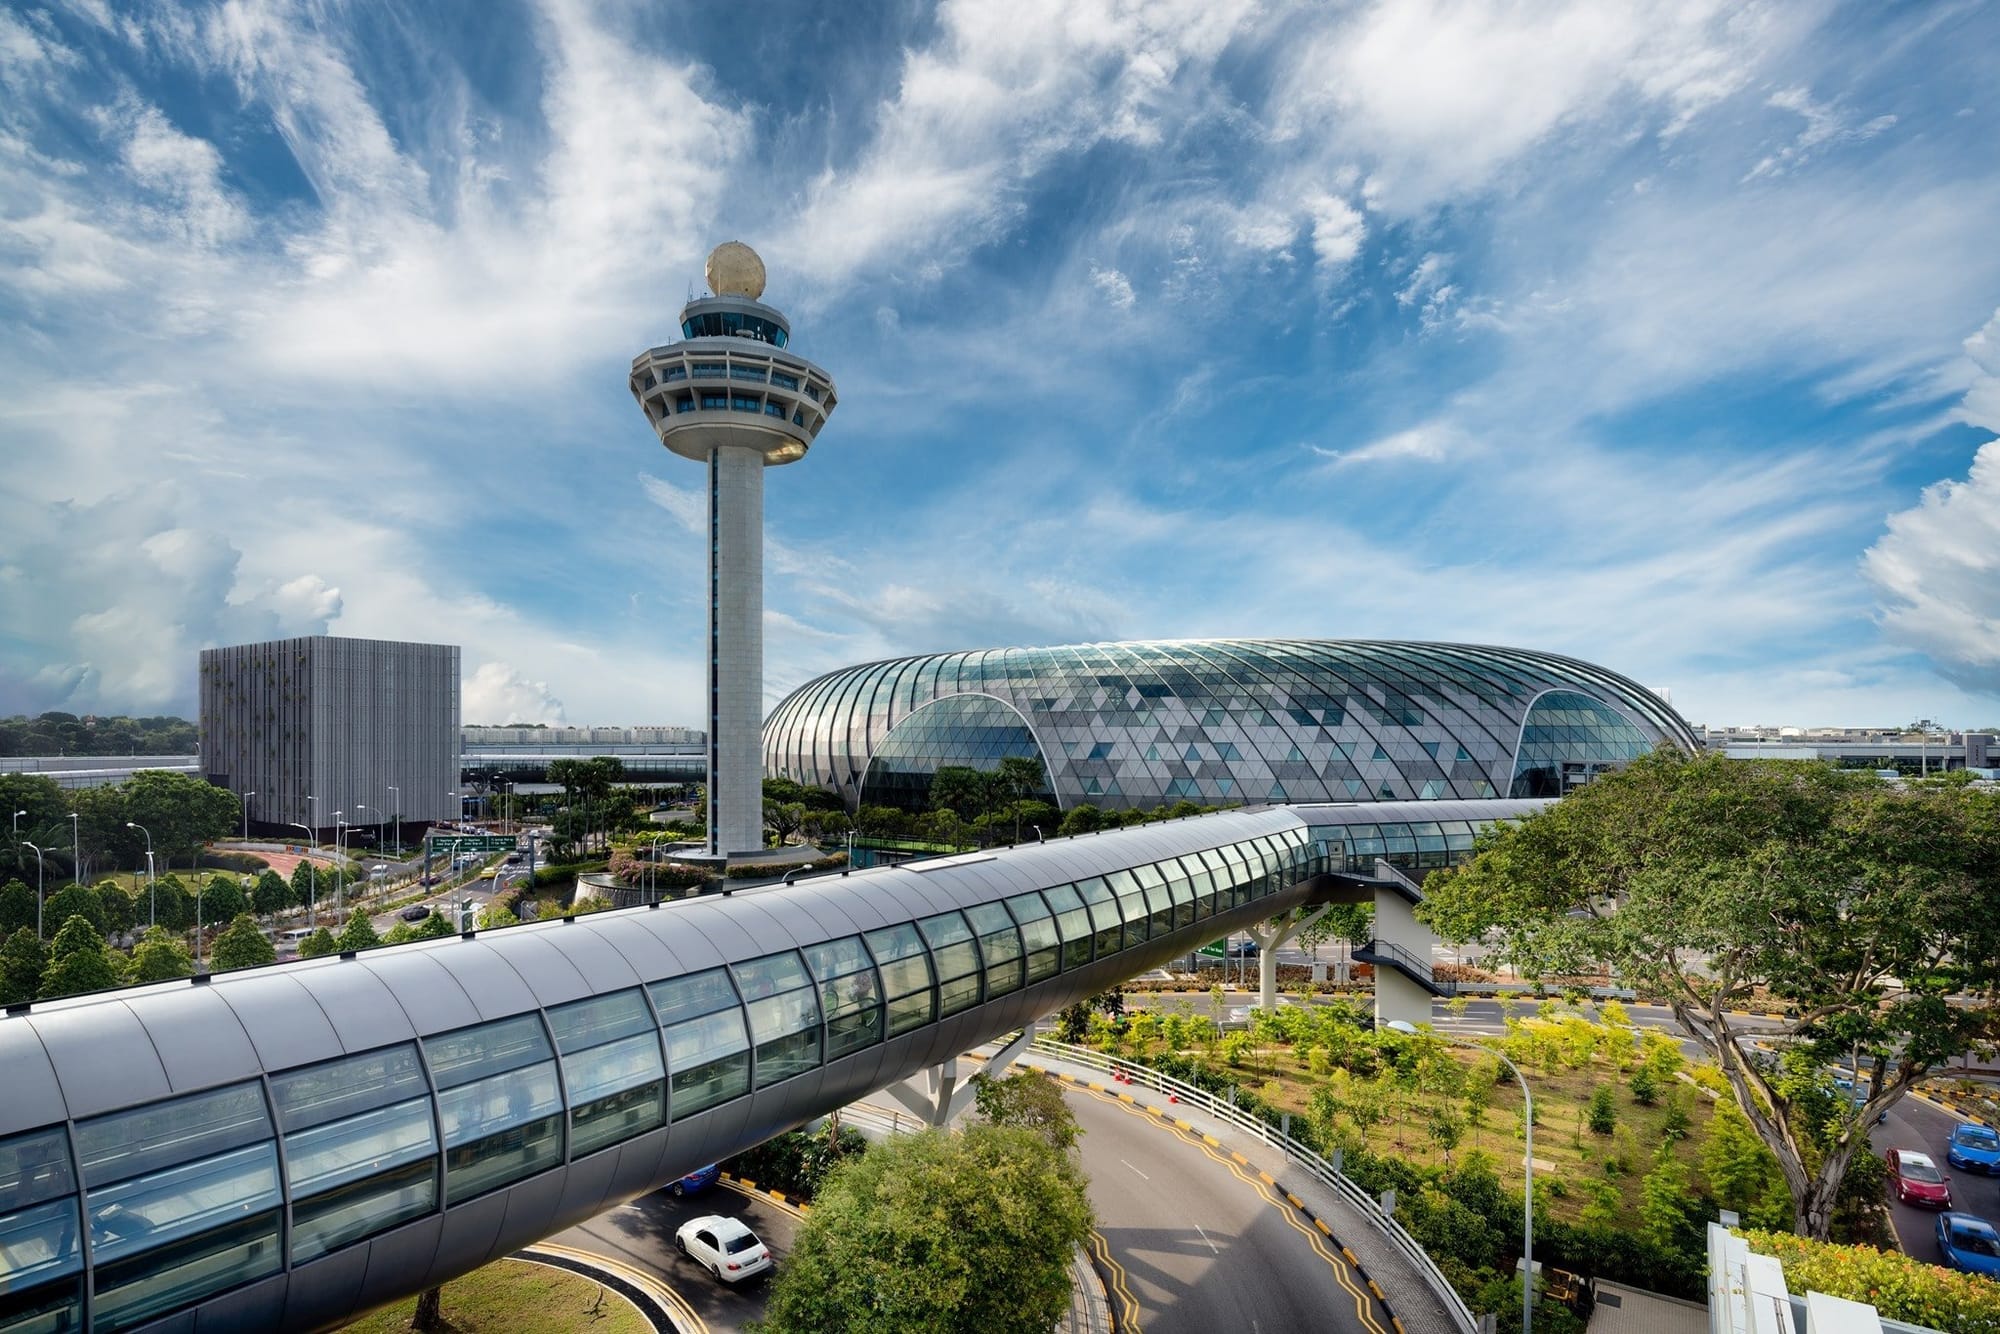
(305, 883)
(79, 961)
(358, 934)
(437, 926)
(270, 895)
(222, 900)
(181, 811)
(117, 907)
(22, 962)
(963, 791)
(46, 810)
(1030, 1101)
(75, 901)
(1084, 818)
(243, 945)
(911, 1234)
(1797, 881)
(402, 933)
(1645, 1088)
(318, 943)
(1602, 1112)
(159, 957)
(17, 908)
(170, 904)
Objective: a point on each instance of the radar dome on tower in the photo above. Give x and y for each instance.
(734, 269)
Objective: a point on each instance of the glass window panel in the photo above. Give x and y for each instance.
(153, 1282)
(467, 1055)
(149, 1211)
(1038, 935)
(499, 1102)
(520, 1150)
(945, 929)
(34, 1167)
(321, 1093)
(599, 1020)
(38, 1243)
(710, 1062)
(770, 975)
(362, 1208)
(696, 994)
(854, 1027)
(344, 1151)
(908, 1012)
(613, 1067)
(838, 958)
(786, 1031)
(167, 1134)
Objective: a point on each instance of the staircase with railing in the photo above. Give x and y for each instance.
(1388, 954)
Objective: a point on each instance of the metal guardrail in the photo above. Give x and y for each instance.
(1304, 1155)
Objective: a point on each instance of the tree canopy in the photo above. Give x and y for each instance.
(159, 957)
(915, 1235)
(242, 946)
(79, 961)
(1863, 908)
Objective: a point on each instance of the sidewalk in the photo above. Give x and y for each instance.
(1405, 1291)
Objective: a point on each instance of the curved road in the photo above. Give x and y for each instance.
(1190, 1241)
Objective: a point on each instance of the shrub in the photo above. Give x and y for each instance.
(1645, 1087)
(1895, 1285)
(1602, 1113)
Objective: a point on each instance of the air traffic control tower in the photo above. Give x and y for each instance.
(730, 396)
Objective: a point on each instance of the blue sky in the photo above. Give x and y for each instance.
(1660, 334)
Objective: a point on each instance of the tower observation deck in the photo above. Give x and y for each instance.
(731, 396)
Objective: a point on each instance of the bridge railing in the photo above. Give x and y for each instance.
(1389, 951)
(1302, 1154)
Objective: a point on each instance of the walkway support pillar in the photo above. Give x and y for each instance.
(1268, 937)
(943, 1097)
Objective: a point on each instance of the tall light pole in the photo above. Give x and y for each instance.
(653, 870)
(312, 803)
(152, 905)
(38, 887)
(246, 815)
(1528, 1170)
(312, 878)
(339, 868)
(399, 820)
(75, 850)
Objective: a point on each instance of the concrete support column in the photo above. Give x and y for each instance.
(735, 650)
(1269, 936)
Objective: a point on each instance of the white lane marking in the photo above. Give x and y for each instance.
(1211, 1246)
(1142, 1175)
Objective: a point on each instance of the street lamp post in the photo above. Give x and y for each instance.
(653, 870)
(339, 867)
(399, 820)
(246, 815)
(312, 877)
(197, 924)
(1528, 1171)
(75, 849)
(152, 898)
(38, 886)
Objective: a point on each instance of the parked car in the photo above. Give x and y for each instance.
(698, 1180)
(1915, 1179)
(1974, 1148)
(1969, 1243)
(724, 1247)
(1242, 949)
(416, 912)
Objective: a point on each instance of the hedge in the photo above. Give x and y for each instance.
(1895, 1285)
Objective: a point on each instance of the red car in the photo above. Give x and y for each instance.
(1915, 1179)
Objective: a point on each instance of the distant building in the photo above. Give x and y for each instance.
(476, 734)
(1911, 751)
(323, 728)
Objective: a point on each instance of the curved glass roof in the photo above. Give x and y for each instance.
(1222, 721)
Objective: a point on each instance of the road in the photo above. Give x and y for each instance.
(1189, 1241)
(1918, 1125)
(642, 1235)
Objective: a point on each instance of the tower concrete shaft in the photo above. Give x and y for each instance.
(735, 650)
(731, 397)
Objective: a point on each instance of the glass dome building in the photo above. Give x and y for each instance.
(1222, 721)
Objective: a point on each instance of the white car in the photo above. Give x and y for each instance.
(724, 1247)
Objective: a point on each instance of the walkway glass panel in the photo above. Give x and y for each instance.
(499, 1102)
(957, 960)
(850, 996)
(906, 977)
(784, 1015)
(41, 1250)
(708, 1049)
(611, 1061)
(361, 1153)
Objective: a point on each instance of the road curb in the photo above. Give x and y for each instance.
(796, 1208)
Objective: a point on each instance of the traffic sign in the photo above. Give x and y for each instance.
(1216, 949)
(453, 844)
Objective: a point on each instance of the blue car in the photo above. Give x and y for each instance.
(696, 1181)
(1974, 1148)
(1969, 1243)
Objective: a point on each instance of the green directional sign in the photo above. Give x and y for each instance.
(452, 844)
(1216, 949)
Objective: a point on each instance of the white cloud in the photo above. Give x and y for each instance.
(1827, 125)
(498, 694)
(1938, 564)
(1431, 442)
(688, 507)
(1117, 289)
(1338, 230)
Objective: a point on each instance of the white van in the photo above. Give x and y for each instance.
(296, 934)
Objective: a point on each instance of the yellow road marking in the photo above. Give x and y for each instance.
(1364, 1310)
(684, 1316)
(772, 1198)
(1126, 1319)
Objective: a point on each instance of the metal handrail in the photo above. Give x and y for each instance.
(1301, 1153)
(1410, 963)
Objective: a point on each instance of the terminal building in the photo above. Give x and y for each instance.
(318, 730)
(1222, 722)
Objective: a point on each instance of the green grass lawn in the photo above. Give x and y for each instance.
(509, 1296)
